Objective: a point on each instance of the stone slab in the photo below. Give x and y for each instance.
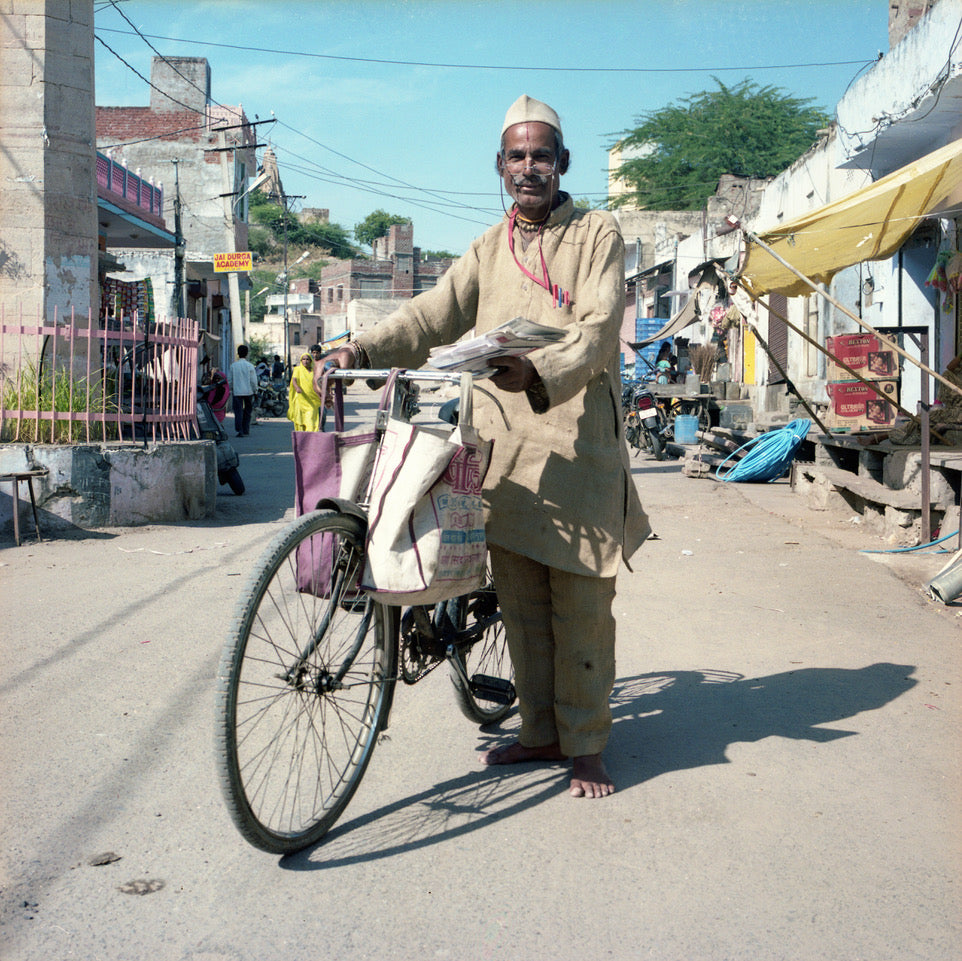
(115, 485)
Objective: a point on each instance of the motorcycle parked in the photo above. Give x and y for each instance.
(212, 429)
(647, 427)
(270, 399)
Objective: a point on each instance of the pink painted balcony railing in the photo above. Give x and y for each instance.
(115, 178)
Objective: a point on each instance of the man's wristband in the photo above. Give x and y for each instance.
(538, 397)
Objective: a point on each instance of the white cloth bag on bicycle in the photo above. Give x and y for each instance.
(425, 540)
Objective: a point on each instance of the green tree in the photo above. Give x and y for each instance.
(376, 224)
(259, 348)
(260, 241)
(270, 215)
(332, 237)
(745, 130)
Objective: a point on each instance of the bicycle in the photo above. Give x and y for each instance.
(308, 675)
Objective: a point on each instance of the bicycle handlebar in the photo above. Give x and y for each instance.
(364, 373)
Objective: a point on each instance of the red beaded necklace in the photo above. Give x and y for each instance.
(559, 297)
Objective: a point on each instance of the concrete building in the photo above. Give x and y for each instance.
(129, 221)
(306, 326)
(902, 109)
(352, 295)
(204, 154)
(48, 205)
(394, 273)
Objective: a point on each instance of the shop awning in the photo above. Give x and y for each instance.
(707, 278)
(869, 224)
(679, 322)
(337, 340)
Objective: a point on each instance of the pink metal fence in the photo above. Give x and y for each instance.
(71, 382)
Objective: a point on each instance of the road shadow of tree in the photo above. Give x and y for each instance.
(663, 722)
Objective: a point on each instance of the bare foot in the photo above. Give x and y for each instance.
(589, 778)
(517, 753)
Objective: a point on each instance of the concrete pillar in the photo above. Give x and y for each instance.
(48, 201)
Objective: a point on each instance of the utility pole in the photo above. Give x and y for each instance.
(233, 285)
(287, 285)
(178, 248)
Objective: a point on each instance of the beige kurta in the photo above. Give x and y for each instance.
(559, 489)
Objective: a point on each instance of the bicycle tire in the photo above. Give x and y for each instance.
(487, 658)
(293, 740)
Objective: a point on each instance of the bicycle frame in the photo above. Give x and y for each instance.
(404, 405)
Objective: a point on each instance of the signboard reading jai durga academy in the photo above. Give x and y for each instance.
(235, 261)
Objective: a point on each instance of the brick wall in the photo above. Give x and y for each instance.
(140, 123)
(396, 273)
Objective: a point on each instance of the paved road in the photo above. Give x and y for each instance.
(786, 748)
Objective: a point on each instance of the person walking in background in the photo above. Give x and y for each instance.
(277, 370)
(303, 404)
(217, 393)
(243, 385)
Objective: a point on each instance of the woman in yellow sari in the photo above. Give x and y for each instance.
(303, 403)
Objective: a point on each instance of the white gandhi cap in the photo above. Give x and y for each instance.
(527, 110)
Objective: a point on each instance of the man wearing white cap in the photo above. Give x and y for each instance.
(562, 509)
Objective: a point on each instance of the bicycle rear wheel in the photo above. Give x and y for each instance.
(305, 685)
(481, 672)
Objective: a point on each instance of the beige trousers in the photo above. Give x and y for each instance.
(561, 636)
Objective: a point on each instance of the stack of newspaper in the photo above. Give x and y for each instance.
(515, 337)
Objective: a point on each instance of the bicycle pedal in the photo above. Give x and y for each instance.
(496, 689)
(354, 604)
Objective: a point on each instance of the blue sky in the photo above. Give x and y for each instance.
(398, 105)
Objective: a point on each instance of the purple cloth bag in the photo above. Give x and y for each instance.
(335, 464)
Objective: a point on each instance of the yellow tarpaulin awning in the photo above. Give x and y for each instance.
(869, 224)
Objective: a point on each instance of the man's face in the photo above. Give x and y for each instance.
(530, 168)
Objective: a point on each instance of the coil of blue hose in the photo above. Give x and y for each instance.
(768, 456)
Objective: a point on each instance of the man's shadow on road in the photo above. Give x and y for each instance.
(663, 722)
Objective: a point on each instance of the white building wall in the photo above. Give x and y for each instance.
(880, 117)
(811, 182)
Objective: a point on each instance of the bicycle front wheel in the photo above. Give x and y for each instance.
(305, 685)
(481, 669)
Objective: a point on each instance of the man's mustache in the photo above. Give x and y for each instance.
(529, 180)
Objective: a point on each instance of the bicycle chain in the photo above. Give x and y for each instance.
(415, 663)
(427, 664)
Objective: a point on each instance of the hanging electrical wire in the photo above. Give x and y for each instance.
(513, 68)
(103, 43)
(206, 93)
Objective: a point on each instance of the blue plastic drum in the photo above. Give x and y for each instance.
(685, 427)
